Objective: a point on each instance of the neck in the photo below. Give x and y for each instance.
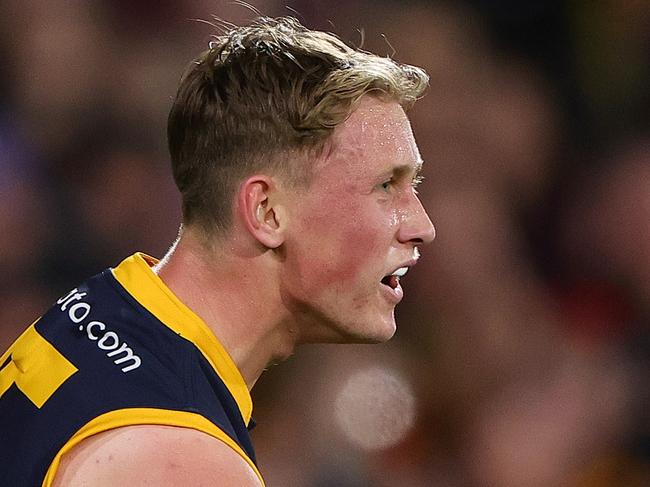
(236, 295)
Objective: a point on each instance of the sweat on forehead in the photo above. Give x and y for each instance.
(375, 112)
(374, 121)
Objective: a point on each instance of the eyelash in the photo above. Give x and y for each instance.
(416, 181)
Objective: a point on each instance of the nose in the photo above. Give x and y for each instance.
(416, 227)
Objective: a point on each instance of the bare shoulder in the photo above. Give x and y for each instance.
(154, 455)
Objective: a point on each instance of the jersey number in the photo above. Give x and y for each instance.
(35, 366)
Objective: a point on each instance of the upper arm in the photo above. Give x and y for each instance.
(154, 455)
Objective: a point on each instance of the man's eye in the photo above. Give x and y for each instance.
(386, 185)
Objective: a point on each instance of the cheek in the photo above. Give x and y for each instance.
(353, 246)
(352, 259)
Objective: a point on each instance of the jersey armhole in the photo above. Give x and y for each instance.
(142, 416)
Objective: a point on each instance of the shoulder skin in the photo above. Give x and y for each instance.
(164, 456)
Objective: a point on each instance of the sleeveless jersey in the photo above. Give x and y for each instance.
(118, 350)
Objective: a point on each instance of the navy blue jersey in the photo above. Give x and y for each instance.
(118, 350)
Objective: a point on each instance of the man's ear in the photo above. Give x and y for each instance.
(261, 211)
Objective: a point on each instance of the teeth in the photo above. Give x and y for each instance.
(400, 272)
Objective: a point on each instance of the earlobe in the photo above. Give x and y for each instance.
(260, 210)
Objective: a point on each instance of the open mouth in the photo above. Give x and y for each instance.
(392, 280)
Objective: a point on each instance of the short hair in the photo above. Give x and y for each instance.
(259, 98)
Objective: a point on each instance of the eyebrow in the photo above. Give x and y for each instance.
(404, 169)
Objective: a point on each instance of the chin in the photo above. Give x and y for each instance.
(377, 328)
(376, 331)
(384, 337)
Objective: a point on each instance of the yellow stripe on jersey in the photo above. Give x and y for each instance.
(141, 416)
(36, 367)
(136, 276)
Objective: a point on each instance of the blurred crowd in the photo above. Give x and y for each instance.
(523, 346)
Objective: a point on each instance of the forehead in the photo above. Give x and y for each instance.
(377, 136)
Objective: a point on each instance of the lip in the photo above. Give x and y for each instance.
(393, 296)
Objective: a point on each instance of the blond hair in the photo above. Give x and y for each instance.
(259, 97)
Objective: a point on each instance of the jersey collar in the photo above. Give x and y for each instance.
(135, 275)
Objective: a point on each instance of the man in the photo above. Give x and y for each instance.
(297, 167)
